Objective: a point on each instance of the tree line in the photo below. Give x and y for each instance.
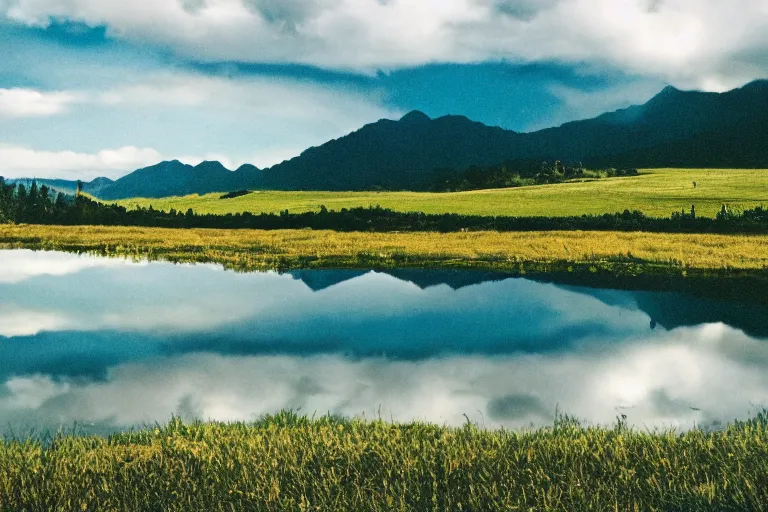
(35, 204)
(518, 173)
(38, 205)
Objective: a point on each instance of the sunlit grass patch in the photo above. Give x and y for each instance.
(284, 249)
(656, 192)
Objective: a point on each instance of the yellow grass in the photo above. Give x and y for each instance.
(252, 249)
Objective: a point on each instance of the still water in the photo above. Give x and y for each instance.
(110, 344)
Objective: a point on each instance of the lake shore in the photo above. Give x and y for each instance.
(287, 462)
(612, 253)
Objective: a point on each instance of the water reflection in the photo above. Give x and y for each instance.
(115, 343)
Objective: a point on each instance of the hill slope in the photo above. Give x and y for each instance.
(657, 193)
(175, 178)
(394, 154)
(675, 128)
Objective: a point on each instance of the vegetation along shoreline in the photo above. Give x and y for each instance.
(609, 252)
(289, 462)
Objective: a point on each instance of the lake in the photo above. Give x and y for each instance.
(109, 344)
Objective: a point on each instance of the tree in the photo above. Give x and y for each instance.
(5, 215)
(61, 201)
(33, 193)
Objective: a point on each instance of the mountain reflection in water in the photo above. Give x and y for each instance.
(114, 343)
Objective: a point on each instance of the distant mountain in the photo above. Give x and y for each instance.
(678, 129)
(690, 305)
(394, 154)
(321, 279)
(177, 179)
(741, 145)
(675, 128)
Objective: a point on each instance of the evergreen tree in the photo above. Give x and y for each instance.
(5, 215)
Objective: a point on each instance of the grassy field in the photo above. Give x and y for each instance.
(291, 463)
(655, 192)
(539, 251)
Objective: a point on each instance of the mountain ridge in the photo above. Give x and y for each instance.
(177, 178)
(674, 128)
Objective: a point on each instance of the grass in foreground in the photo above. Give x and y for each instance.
(656, 192)
(285, 249)
(287, 462)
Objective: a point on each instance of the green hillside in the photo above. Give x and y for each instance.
(656, 192)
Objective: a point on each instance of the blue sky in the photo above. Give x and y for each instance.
(101, 87)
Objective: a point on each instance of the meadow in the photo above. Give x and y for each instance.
(655, 192)
(541, 251)
(286, 462)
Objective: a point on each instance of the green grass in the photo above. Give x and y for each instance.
(291, 463)
(656, 192)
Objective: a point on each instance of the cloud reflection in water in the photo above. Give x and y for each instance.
(134, 344)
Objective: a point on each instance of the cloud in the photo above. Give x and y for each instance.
(510, 407)
(525, 10)
(193, 6)
(20, 265)
(287, 14)
(19, 322)
(680, 379)
(161, 115)
(202, 305)
(134, 344)
(698, 43)
(23, 162)
(575, 103)
(32, 103)
(280, 99)
(179, 93)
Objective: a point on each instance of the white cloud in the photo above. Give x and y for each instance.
(705, 43)
(32, 103)
(23, 162)
(683, 378)
(172, 92)
(187, 299)
(580, 104)
(19, 265)
(270, 156)
(276, 98)
(272, 119)
(32, 392)
(20, 322)
(18, 161)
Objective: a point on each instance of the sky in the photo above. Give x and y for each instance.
(101, 87)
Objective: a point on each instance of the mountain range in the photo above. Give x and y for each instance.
(674, 129)
(671, 304)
